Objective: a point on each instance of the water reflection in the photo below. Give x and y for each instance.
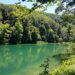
(25, 59)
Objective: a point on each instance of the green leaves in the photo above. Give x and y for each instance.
(33, 33)
(67, 66)
(16, 33)
(41, 1)
(0, 16)
(18, 25)
(4, 34)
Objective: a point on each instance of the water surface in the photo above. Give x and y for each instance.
(25, 59)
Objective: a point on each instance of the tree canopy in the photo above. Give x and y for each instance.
(18, 25)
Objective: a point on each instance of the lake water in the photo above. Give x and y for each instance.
(26, 59)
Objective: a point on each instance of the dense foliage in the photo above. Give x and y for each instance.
(68, 66)
(18, 25)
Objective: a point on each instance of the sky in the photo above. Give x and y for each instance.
(50, 9)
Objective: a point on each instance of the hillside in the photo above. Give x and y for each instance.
(18, 25)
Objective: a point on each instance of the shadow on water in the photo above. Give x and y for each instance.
(25, 59)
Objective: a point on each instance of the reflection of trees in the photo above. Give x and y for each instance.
(26, 53)
(16, 57)
(9, 60)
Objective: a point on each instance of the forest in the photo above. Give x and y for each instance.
(19, 25)
(23, 26)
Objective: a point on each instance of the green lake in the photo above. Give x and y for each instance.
(25, 59)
